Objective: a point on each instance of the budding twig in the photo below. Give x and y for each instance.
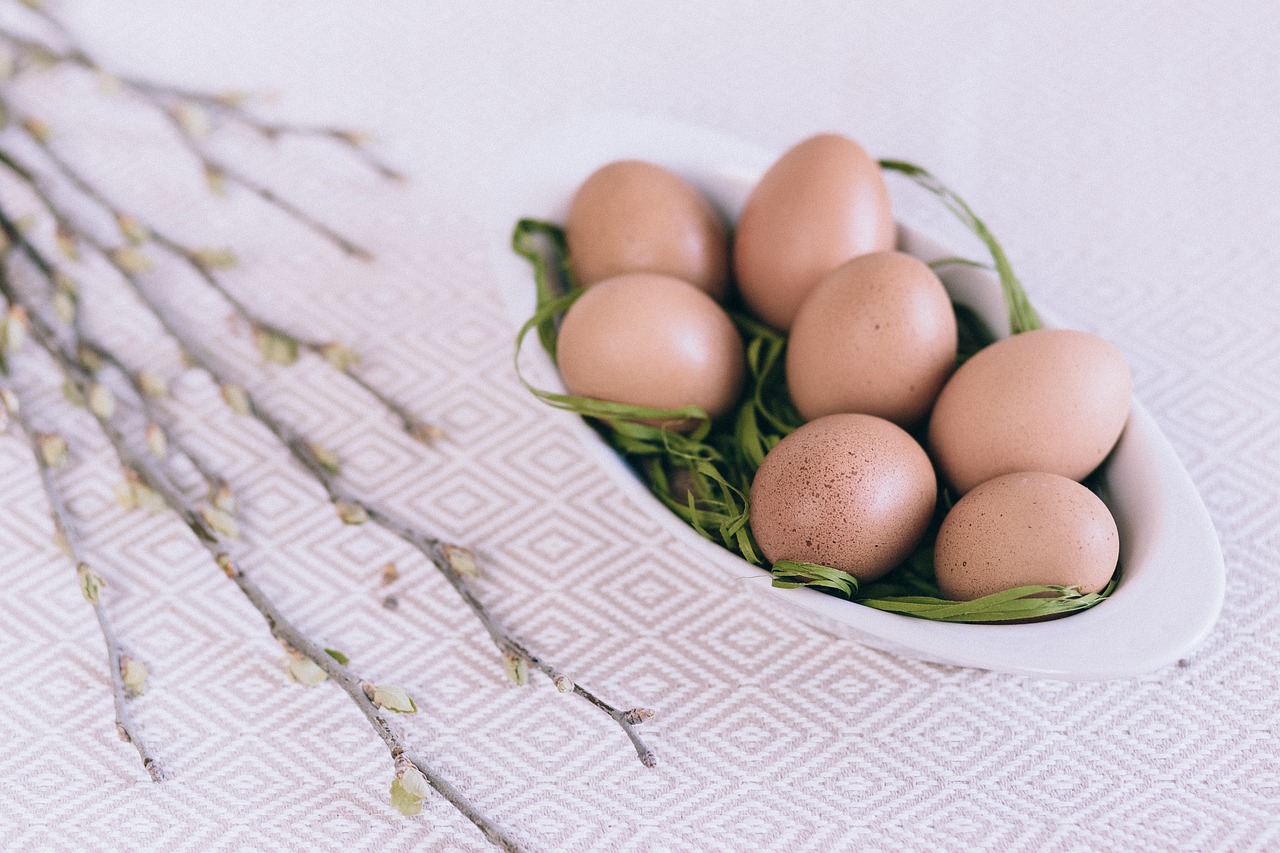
(152, 474)
(192, 115)
(172, 446)
(229, 105)
(323, 471)
(90, 582)
(335, 355)
(89, 349)
(216, 171)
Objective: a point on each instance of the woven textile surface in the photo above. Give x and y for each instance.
(1125, 155)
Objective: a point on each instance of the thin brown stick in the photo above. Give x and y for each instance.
(305, 454)
(215, 170)
(69, 534)
(417, 429)
(213, 484)
(228, 105)
(429, 546)
(155, 478)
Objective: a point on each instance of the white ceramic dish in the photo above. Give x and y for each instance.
(1173, 582)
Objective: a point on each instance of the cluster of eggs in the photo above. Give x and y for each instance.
(870, 365)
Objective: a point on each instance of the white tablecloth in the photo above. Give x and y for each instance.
(1124, 153)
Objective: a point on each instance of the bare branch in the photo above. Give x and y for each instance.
(152, 474)
(191, 115)
(305, 453)
(229, 105)
(212, 483)
(64, 526)
(334, 354)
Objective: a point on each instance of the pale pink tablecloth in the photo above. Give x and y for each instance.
(1126, 155)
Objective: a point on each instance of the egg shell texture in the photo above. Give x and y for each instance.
(651, 340)
(854, 492)
(1053, 400)
(634, 216)
(1022, 529)
(822, 203)
(876, 336)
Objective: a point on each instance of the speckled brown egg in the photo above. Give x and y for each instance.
(651, 340)
(822, 203)
(1022, 529)
(1051, 400)
(633, 216)
(876, 336)
(854, 492)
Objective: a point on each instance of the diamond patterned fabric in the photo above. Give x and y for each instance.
(1125, 155)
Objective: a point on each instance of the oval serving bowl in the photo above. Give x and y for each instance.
(1173, 582)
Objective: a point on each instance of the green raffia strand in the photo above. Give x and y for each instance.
(1022, 317)
(704, 477)
(790, 574)
(767, 414)
(958, 262)
(525, 240)
(912, 591)
(1012, 605)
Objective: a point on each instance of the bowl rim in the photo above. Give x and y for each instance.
(1169, 546)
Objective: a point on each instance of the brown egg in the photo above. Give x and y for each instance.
(633, 216)
(1022, 529)
(1050, 400)
(651, 340)
(822, 203)
(853, 492)
(876, 336)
